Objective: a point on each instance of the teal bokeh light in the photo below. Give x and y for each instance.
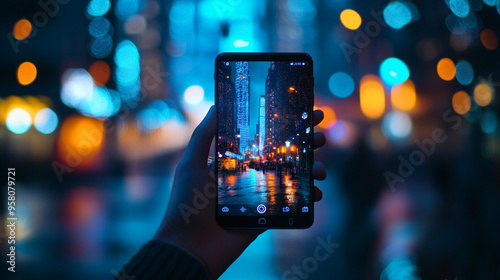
(394, 71)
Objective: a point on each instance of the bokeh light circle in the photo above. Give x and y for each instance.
(394, 71)
(461, 102)
(99, 27)
(397, 14)
(446, 69)
(194, 95)
(489, 122)
(341, 84)
(396, 125)
(464, 72)
(98, 7)
(489, 39)
(46, 121)
(460, 8)
(371, 96)
(338, 131)
(100, 72)
(18, 121)
(404, 96)
(26, 73)
(482, 95)
(101, 47)
(350, 19)
(22, 29)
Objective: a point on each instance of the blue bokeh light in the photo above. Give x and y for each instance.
(338, 131)
(464, 72)
(98, 7)
(77, 85)
(126, 76)
(397, 14)
(460, 8)
(18, 121)
(400, 268)
(490, 2)
(79, 92)
(302, 12)
(102, 103)
(396, 125)
(341, 84)
(394, 71)
(127, 72)
(101, 47)
(46, 121)
(489, 122)
(126, 8)
(182, 19)
(154, 116)
(127, 55)
(164, 111)
(99, 27)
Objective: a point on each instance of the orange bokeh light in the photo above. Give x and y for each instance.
(100, 72)
(403, 96)
(26, 73)
(489, 39)
(372, 96)
(461, 102)
(80, 142)
(22, 29)
(446, 69)
(330, 117)
(482, 95)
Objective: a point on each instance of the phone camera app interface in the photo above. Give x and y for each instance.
(264, 137)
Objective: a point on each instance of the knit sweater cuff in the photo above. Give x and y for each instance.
(160, 260)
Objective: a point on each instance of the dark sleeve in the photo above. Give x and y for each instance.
(160, 260)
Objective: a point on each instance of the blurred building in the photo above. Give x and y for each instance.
(226, 129)
(242, 86)
(262, 124)
(288, 93)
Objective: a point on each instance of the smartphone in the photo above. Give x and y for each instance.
(264, 141)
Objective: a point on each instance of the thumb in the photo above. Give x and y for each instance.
(199, 146)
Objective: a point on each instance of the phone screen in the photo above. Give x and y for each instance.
(264, 150)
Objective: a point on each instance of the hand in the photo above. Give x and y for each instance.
(189, 222)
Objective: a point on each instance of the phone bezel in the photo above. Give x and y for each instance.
(301, 221)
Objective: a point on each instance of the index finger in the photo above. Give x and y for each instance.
(318, 116)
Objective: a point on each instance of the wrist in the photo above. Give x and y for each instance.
(181, 241)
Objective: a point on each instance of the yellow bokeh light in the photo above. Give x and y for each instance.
(11, 103)
(35, 105)
(461, 102)
(403, 96)
(26, 73)
(329, 117)
(22, 29)
(446, 69)
(350, 19)
(372, 96)
(482, 94)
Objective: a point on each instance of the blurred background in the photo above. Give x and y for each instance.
(99, 98)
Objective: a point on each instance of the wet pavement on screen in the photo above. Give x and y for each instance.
(249, 188)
